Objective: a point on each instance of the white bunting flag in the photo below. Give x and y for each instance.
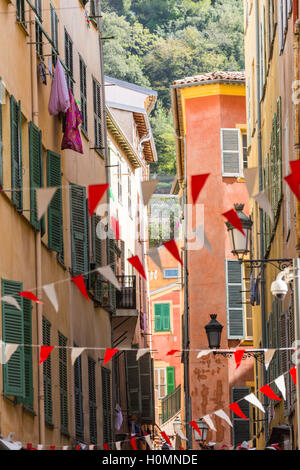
(51, 294)
(264, 203)
(11, 301)
(65, 448)
(149, 441)
(203, 353)
(148, 188)
(224, 416)
(108, 273)
(40, 447)
(92, 447)
(209, 422)
(269, 353)
(251, 398)
(250, 178)
(141, 352)
(9, 350)
(153, 253)
(280, 384)
(76, 353)
(43, 198)
(118, 445)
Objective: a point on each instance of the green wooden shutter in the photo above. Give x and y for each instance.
(16, 152)
(36, 170)
(166, 325)
(241, 427)
(97, 117)
(79, 418)
(106, 405)
(1, 147)
(13, 332)
(48, 405)
(55, 223)
(97, 260)
(132, 379)
(79, 238)
(28, 399)
(235, 311)
(146, 388)
(170, 379)
(63, 383)
(83, 94)
(92, 400)
(158, 317)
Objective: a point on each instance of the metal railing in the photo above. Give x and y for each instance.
(126, 297)
(170, 404)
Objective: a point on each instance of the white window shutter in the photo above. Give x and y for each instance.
(230, 145)
(235, 306)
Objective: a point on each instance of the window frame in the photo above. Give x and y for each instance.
(227, 284)
(238, 152)
(164, 331)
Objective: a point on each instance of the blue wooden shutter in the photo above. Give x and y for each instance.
(13, 332)
(16, 152)
(27, 306)
(36, 170)
(170, 379)
(55, 223)
(79, 237)
(241, 427)
(235, 310)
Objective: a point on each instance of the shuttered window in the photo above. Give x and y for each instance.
(98, 254)
(170, 379)
(69, 60)
(48, 404)
(27, 309)
(1, 146)
(230, 146)
(132, 380)
(83, 94)
(235, 310)
(241, 427)
(63, 383)
(13, 332)
(16, 152)
(79, 419)
(55, 222)
(106, 405)
(36, 171)
(54, 33)
(95, 11)
(79, 235)
(92, 400)
(97, 101)
(21, 11)
(146, 388)
(38, 29)
(162, 317)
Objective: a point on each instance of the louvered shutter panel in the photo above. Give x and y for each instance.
(111, 287)
(63, 383)
(16, 152)
(170, 379)
(97, 245)
(1, 147)
(92, 400)
(106, 402)
(132, 376)
(13, 332)
(166, 317)
(83, 94)
(48, 405)
(241, 427)
(79, 239)
(291, 341)
(284, 360)
(279, 149)
(158, 317)
(146, 388)
(97, 116)
(79, 417)
(55, 223)
(235, 312)
(230, 141)
(27, 308)
(36, 170)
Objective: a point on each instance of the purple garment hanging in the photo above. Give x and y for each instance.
(59, 97)
(71, 139)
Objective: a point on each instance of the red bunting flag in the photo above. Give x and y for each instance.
(95, 194)
(172, 352)
(77, 448)
(181, 448)
(165, 437)
(237, 410)
(136, 263)
(116, 227)
(238, 356)
(196, 427)
(106, 446)
(293, 180)
(266, 390)
(197, 183)
(29, 295)
(44, 352)
(293, 372)
(234, 220)
(79, 281)
(172, 248)
(52, 447)
(109, 353)
(29, 446)
(133, 443)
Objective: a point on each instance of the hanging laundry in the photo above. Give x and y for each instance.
(50, 67)
(118, 417)
(71, 139)
(59, 96)
(257, 293)
(42, 72)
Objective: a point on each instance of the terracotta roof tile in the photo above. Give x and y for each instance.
(219, 75)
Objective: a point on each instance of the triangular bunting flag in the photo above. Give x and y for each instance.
(9, 350)
(237, 410)
(109, 353)
(133, 444)
(30, 296)
(280, 384)
(264, 203)
(197, 183)
(115, 226)
(209, 422)
(118, 445)
(79, 282)
(153, 253)
(293, 180)
(40, 447)
(51, 294)
(181, 435)
(172, 352)
(269, 353)
(110, 276)
(251, 398)
(266, 390)
(173, 249)
(106, 447)
(95, 194)
(165, 437)
(11, 300)
(238, 356)
(293, 373)
(149, 441)
(148, 188)
(141, 352)
(43, 198)
(234, 220)
(65, 448)
(136, 263)
(44, 353)
(223, 415)
(203, 353)
(195, 426)
(92, 447)
(250, 175)
(52, 447)
(75, 353)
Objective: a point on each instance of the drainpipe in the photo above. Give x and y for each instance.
(296, 120)
(261, 227)
(38, 247)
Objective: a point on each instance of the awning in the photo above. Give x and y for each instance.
(124, 329)
(279, 434)
(5, 444)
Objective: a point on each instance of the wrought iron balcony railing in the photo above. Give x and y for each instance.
(170, 404)
(126, 297)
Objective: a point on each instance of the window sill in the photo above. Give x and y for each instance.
(49, 425)
(23, 27)
(29, 410)
(246, 342)
(65, 433)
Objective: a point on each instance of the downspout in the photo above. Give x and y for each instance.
(38, 247)
(296, 119)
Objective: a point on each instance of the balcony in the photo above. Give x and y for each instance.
(125, 318)
(126, 297)
(170, 405)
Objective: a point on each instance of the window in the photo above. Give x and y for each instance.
(79, 421)
(63, 383)
(120, 182)
(249, 111)
(69, 60)
(160, 378)
(97, 116)
(170, 379)
(92, 400)
(55, 211)
(245, 150)
(129, 193)
(38, 29)
(27, 312)
(36, 171)
(106, 404)
(235, 310)
(162, 317)
(94, 11)
(54, 32)
(16, 152)
(79, 232)
(139, 375)
(48, 405)
(241, 427)
(230, 146)
(83, 95)
(21, 11)
(98, 251)
(271, 23)
(171, 273)
(262, 39)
